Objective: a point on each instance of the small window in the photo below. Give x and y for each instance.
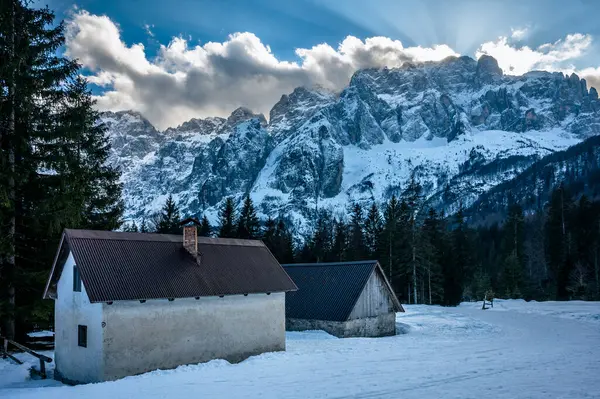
(82, 336)
(76, 279)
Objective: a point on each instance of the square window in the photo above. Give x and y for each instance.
(76, 279)
(82, 336)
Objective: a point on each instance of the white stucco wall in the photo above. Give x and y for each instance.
(75, 363)
(160, 334)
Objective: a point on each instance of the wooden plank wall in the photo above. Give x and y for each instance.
(374, 300)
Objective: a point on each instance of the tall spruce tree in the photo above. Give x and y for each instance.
(339, 249)
(169, 219)
(513, 248)
(389, 237)
(373, 230)
(434, 255)
(53, 171)
(457, 268)
(284, 252)
(413, 198)
(205, 229)
(144, 226)
(227, 219)
(357, 249)
(557, 240)
(321, 241)
(248, 225)
(269, 234)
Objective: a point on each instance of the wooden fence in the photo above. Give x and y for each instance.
(43, 359)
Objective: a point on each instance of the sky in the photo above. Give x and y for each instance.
(177, 60)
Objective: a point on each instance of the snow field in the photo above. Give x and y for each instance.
(516, 350)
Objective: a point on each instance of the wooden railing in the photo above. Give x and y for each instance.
(43, 359)
(488, 299)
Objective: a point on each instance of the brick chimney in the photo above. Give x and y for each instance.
(190, 239)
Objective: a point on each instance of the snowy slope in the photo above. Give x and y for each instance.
(458, 125)
(516, 350)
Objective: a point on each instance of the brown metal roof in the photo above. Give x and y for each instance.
(117, 266)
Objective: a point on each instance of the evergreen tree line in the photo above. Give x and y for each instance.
(232, 223)
(53, 153)
(550, 254)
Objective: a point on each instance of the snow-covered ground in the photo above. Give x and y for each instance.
(516, 350)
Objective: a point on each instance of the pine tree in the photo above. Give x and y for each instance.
(512, 276)
(269, 235)
(227, 219)
(284, 243)
(248, 225)
(514, 251)
(339, 249)
(87, 147)
(373, 230)
(168, 220)
(413, 199)
(321, 241)
(131, 228)
(459, 265)
(389, 237)
(144, 226)
(205, 228)
(53, 171)
(483, 285)
(557, 240)
(434, 255)
(357, 249)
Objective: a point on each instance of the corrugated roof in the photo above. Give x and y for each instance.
(118, 266)
(328, 291)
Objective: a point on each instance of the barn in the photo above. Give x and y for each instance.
(127, 303)
(345, 299)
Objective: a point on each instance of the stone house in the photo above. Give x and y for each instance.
(127, 303)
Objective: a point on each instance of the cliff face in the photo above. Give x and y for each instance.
(459, 126)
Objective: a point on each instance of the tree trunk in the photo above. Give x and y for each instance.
(429, 282)
(414, 262)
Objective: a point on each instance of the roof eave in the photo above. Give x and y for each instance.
(56, 256)
(396, 302)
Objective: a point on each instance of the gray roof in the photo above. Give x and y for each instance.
(329, 291)
(117, 266)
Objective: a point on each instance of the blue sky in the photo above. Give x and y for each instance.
(284, 26)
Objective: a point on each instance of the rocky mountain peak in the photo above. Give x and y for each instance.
(242, 114)
(129, 122)
(459, 126)
(198, 126)
(487, 69)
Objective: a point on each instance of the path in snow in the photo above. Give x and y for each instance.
(517, 350)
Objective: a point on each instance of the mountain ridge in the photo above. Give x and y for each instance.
(459, 126)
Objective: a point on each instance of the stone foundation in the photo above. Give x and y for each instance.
(379, 326)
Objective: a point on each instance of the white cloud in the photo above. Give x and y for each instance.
(185, 81)
(550, 56)
(519, 33)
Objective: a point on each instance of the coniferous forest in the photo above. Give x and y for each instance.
(53, 170)
(552, 253)
(54, 175)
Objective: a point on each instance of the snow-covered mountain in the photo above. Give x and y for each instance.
(459, 125)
